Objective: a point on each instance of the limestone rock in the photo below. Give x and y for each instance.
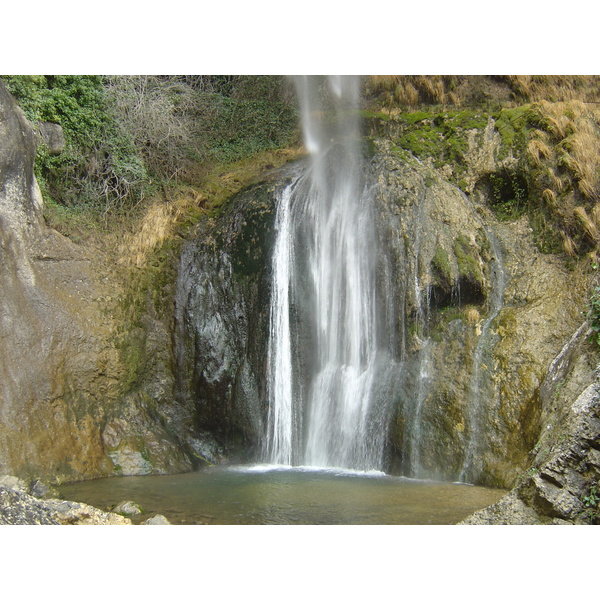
(19, 508)
(566, 462)
(13, 483)
(62, 372)
(137, 449)
(77, 513)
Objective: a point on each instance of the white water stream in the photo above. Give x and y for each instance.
(324, 408)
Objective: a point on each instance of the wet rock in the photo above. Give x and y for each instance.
(222, 316)
(156, 520)
(40, 489)
(135, 448)
(128, 507)
(565, 467)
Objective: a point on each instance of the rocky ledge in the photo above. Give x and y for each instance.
(19, 507)
(561, 487)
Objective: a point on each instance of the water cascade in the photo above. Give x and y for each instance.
(326, 380)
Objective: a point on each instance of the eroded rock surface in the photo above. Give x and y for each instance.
(61, 371)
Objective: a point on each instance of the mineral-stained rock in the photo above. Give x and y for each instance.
(565, 467)
(61, 368)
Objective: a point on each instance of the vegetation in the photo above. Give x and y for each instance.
(129, 136)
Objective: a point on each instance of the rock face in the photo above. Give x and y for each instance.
(481, 313)
(62, 411)
(561, 484)
(492, 380)
(52, 355)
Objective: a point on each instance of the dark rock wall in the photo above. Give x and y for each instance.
(222, 320)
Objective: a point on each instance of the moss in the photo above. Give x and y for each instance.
(251, 241)
(132, 352)
(441, 269)
(513, 125)
(508, 193)
(467, 259)
(441, 137)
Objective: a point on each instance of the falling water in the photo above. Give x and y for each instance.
(472, 467)
(324, 383)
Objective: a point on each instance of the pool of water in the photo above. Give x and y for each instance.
(271, 495)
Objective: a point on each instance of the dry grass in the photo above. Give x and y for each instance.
(583, 155)
(156, 225)
(398, 91)
(558, 88)
(538, 150)
(568, 245)
(549, 197)
(588, 223)
(472, 316)
(161, 219)
(567, 154)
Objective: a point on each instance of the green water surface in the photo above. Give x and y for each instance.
(263, 495)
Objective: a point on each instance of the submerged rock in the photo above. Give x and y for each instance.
(128, 507)
(157, 520)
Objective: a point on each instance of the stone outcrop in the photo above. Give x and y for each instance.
(493, 388)
(560, 485)
(222, 319)
(18, 507)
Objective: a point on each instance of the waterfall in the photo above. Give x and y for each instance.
(326, 380)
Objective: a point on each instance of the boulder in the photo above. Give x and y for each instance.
(51, 136)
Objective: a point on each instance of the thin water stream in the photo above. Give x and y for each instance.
(268, 495)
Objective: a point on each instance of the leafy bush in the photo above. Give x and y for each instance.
(99, 167)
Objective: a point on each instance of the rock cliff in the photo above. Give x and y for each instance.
(61, 374)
